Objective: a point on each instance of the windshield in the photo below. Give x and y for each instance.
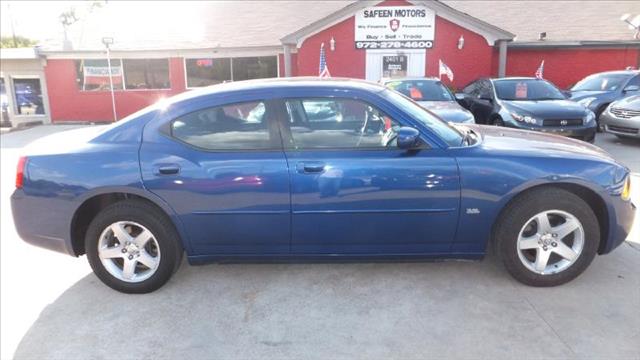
(446, 132)
(527, 89)
(608, 82)
(422, 90)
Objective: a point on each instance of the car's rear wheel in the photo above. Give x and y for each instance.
(132, 247)
(497, 121)
(547, 237)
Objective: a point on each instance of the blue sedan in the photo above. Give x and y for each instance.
(307, 169)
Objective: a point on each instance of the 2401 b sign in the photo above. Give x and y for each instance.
(394, 27)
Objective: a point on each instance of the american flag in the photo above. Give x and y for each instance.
(444, 69)
(540, 70)
(323, 70)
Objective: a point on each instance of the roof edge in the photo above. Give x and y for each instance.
(578, 43)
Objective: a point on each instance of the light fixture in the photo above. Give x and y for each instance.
(107, 41)
(460, 42)
(542, 35)
(332, 44)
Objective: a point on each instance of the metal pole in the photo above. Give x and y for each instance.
(113, 97)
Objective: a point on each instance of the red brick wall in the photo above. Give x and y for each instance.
(69, 103)
(564, 67)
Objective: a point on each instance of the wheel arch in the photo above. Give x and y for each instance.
(591, 197)
(91, 205)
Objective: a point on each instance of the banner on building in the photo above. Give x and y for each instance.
(395, 27)
(99, 75)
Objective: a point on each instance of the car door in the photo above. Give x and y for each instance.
(354, 192)
(223, 171)
(482, 103)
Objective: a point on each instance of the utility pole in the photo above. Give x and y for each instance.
(107, 41)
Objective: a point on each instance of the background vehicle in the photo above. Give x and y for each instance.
(432, 95)
(622, 117)
(597, 91)
(249, 170)
(527, 103)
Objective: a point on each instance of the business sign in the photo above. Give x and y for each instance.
(395, 27)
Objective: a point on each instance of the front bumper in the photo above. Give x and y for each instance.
(623, 127)
(586, 133)
(621, 216)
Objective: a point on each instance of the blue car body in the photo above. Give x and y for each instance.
(625, 83)
(439, 201)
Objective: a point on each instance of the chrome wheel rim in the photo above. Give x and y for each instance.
(129, 251)
(550, 242)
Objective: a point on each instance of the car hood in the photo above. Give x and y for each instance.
(536, 144)
(447, 110)
(547, 109)
(629, 103)
(579, 95)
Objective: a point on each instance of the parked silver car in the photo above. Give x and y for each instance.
(622, 117)
(432, 95)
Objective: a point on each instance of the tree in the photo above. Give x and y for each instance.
(16, 42)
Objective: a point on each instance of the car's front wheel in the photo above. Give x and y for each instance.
(132, 247)
(547, 237)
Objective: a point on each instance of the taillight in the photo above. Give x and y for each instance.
(20, 172)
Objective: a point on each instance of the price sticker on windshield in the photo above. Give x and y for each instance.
(521, 90)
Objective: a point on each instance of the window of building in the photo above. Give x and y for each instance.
(338, 123)
(246, 68)
(4, 99)
(93, 74)
(205, 72)
(240, 126)
(146, 74)
(210, 71)
(28, 95)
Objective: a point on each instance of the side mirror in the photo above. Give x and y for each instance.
(631, 88)
(408, 138)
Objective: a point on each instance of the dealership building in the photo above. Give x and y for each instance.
(201, 44)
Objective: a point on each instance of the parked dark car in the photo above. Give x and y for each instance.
(303, 169)
(622, 118)
(597, 91)
(527, 103)
(432, 95)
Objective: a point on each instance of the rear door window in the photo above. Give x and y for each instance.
(241, 126)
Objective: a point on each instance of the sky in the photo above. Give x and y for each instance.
(34, 19)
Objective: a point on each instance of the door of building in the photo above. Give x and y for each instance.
(395, 63)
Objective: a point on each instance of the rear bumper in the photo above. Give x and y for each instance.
(42, 221)
(625, 127)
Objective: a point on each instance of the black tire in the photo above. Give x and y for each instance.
(497, 121)
(523, 208)
(155, 221)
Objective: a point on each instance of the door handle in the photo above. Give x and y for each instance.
(310, 167)
(167, 169)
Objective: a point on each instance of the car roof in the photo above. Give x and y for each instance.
(409, 78)
(280, 83)
(618, 72)
(516, 78)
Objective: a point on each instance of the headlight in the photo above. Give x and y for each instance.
(589, 117)
(523, 118)
(586, 101)
(626, 190)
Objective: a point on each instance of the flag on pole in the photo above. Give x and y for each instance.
(323, 70)
(540, 70)
(444, 69)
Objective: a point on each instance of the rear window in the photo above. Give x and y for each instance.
(422, 90)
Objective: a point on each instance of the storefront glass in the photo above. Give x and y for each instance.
(93, 74)
(146, 74)
(28, 95)
(210, 71)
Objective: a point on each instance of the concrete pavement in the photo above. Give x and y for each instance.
(52, 306)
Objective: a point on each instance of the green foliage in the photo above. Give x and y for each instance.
(17, 42)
